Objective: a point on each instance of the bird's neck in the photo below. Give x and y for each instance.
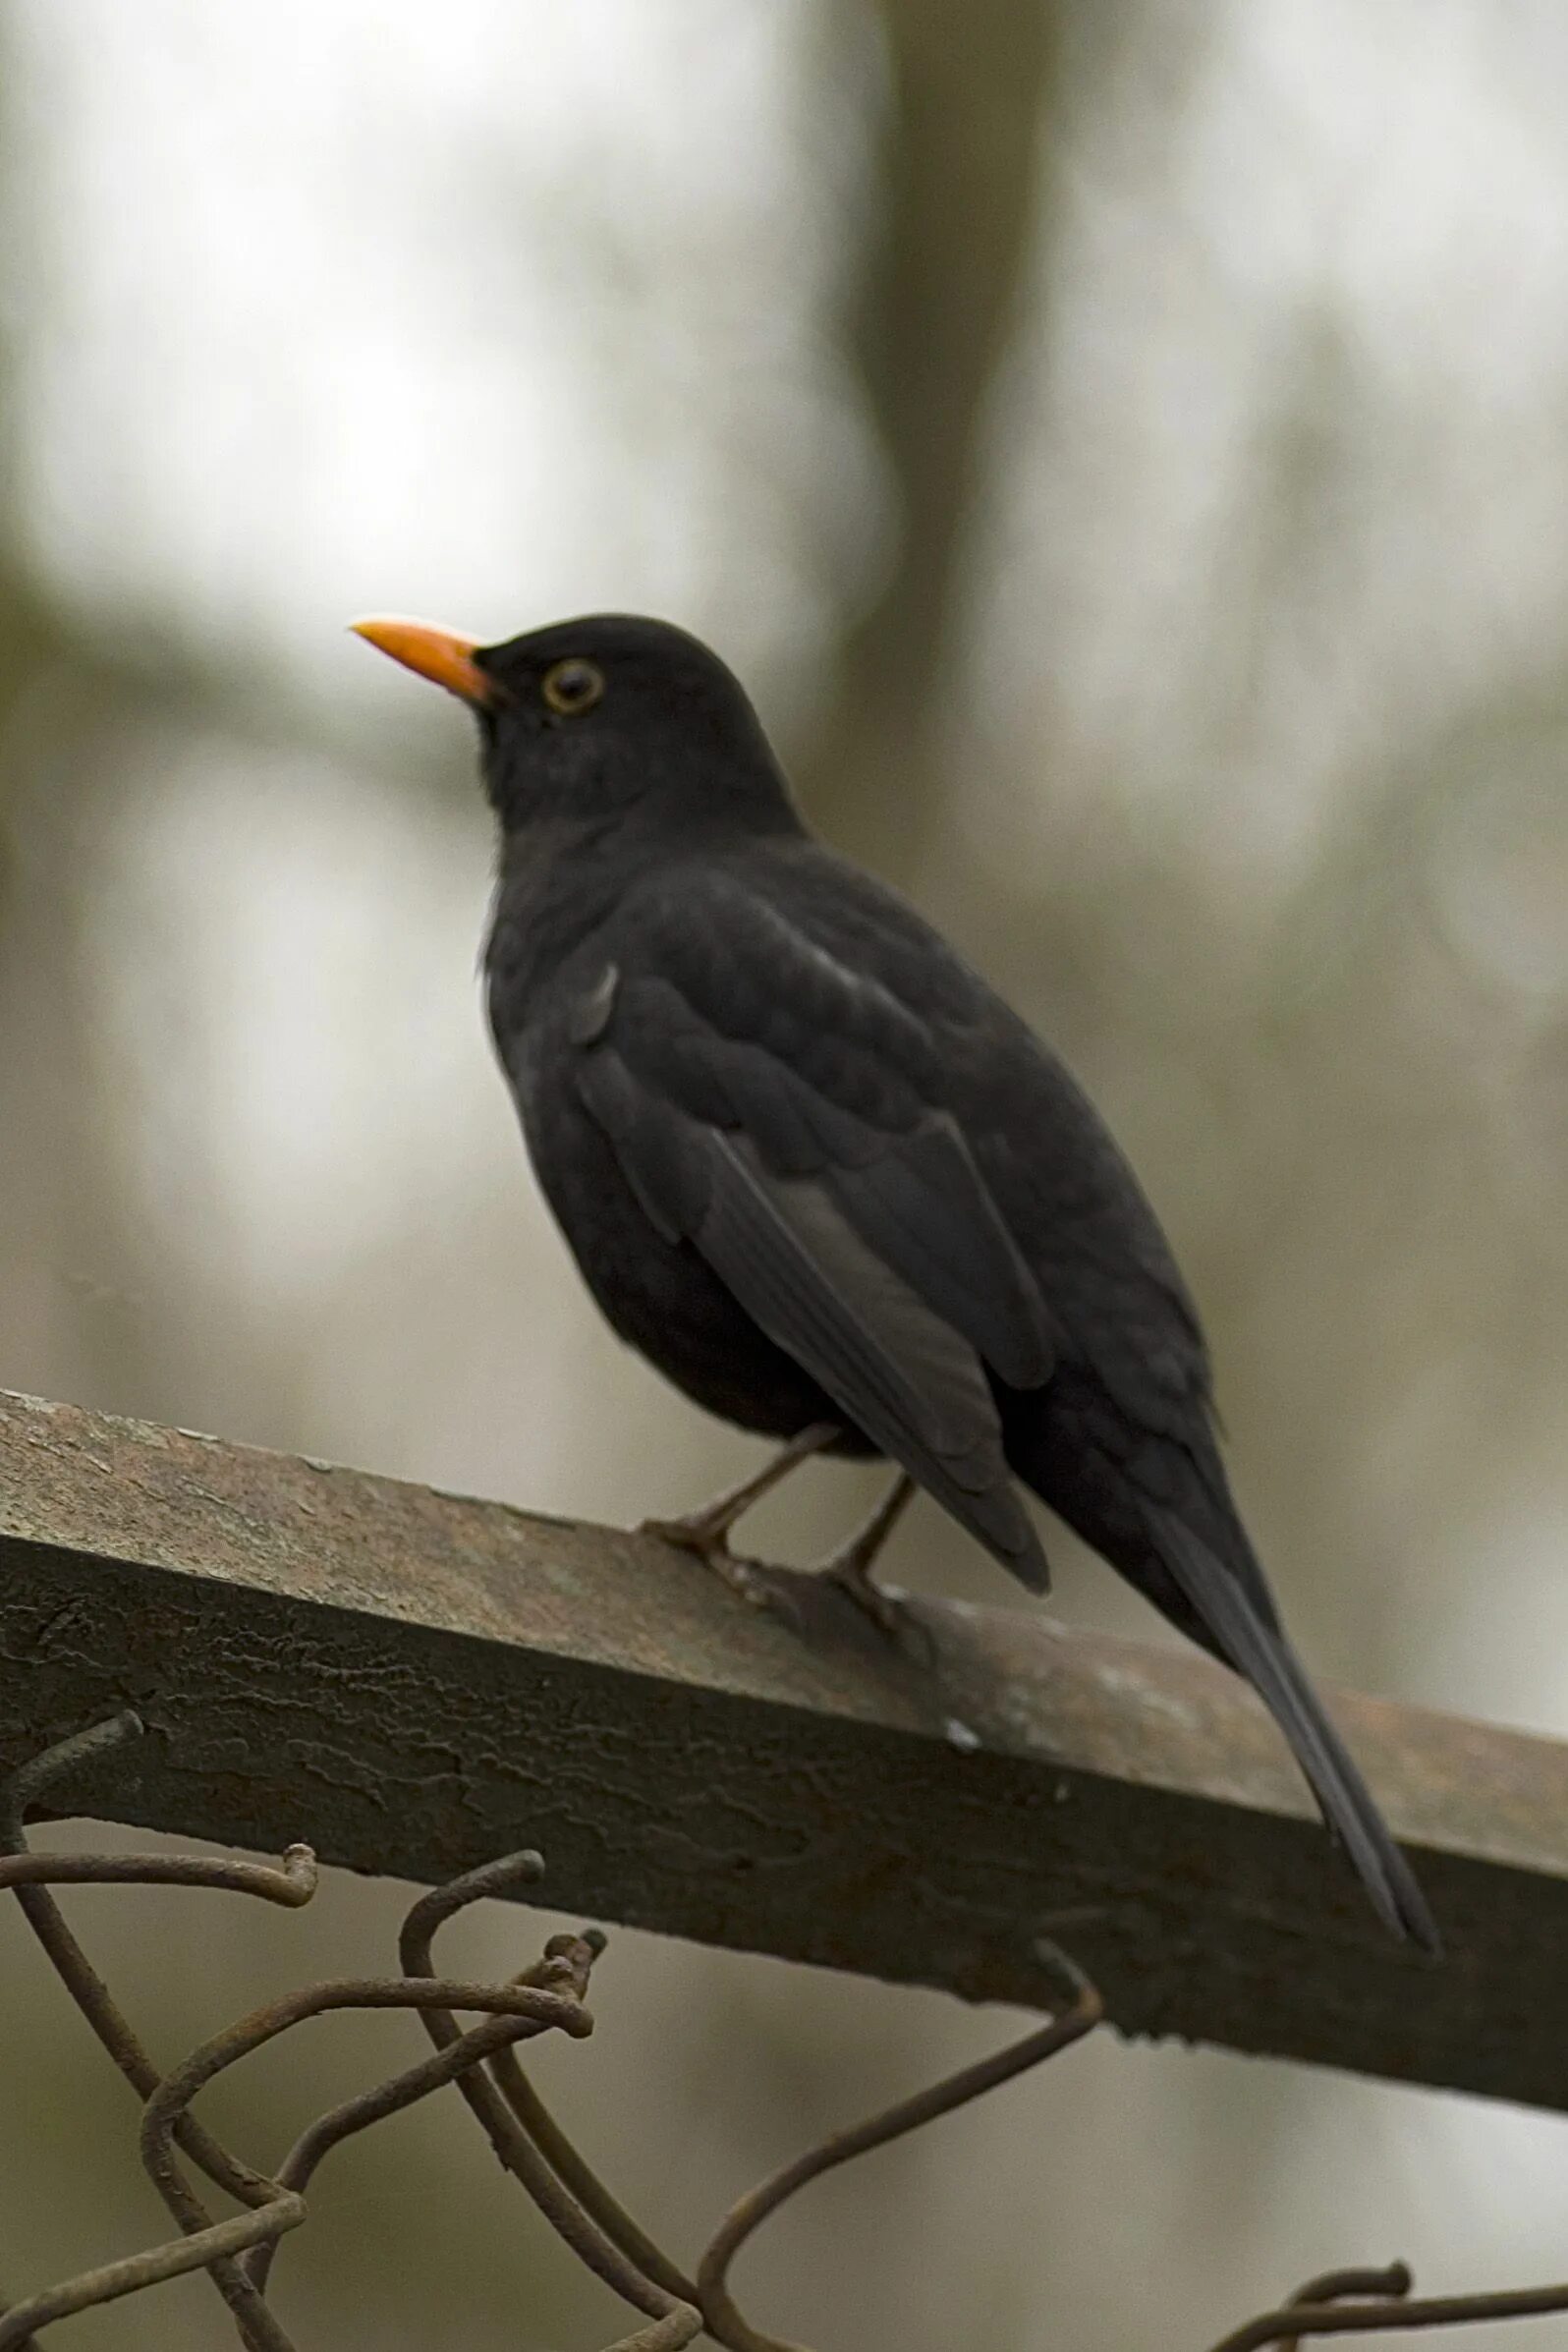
(560, 878)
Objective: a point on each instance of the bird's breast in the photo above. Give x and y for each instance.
(659, 1295)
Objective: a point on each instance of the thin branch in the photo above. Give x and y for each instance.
(592, 2245)
(1387, 2317)
(719, 2309)
(134, 2271)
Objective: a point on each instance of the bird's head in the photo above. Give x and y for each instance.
(605, 716)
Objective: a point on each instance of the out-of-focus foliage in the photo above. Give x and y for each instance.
(1126, 449)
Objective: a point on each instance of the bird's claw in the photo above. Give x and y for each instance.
(710, 1543)
(884, 1608)
(888, 1610)
(699, 1532)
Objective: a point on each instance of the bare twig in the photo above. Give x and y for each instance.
(1332, 2287)
(720, 2312)
(572, 2169)
(536, 2009)
(1318, 2310)
(293, 1884)
(548, 1996)
(283, 2213)
(401, 2091)
(676, 2319)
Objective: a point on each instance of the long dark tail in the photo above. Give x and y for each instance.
(1261, 1651)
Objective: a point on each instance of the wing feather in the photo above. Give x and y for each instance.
(774, 1108)
(784, 1247)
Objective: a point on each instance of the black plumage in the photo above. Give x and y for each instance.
(816, 1171)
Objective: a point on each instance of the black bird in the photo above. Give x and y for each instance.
(823, 1178)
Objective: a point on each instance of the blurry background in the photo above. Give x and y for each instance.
(1127, 452)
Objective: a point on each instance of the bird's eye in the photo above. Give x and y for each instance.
(573, 686)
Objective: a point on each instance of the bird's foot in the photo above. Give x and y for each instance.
(708, 1532)
(851, 1577)
(850, 1569)
(704, 1532)
(707, 1536)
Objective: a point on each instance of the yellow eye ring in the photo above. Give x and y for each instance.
(572, 686)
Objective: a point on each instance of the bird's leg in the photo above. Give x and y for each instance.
(708, 1532)
(851, 1567)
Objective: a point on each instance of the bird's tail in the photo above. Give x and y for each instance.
(1261, 1651)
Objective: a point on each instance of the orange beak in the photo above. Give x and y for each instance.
(439, 654)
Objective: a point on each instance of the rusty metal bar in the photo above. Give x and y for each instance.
(420, 1681)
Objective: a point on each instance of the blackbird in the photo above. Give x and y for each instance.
(827, 1181)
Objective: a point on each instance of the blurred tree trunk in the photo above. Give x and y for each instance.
(65, 710)
(65, 1329)
(955, 215)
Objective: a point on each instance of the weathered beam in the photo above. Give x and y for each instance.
(416, 1682)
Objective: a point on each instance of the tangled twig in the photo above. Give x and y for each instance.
(481, 2060)
(293, 1884)
(547, 1997)
(676, 2317)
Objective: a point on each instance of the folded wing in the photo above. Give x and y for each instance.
(773, 1109)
